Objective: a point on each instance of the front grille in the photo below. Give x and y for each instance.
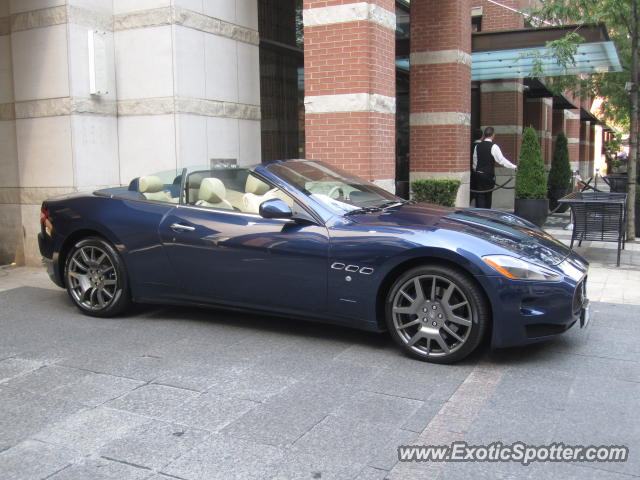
(579, 296)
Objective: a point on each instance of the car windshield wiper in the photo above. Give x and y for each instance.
(395, 203)
(359, 211)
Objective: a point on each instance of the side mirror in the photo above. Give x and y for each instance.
(275, 208)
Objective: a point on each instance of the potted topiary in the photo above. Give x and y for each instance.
(531, 181)
(560, 174)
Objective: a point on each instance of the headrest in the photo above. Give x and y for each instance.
(256, 186)
(150, 184)
(212, 190)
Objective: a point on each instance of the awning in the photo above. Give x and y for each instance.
(513, 54)
(536, 88)
(587, 116)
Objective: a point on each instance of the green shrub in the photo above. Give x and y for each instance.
(531, 179)
(435, 191)
(560, 173)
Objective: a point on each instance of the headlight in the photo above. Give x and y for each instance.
(517, 269)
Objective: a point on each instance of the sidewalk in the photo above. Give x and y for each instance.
(198, 394)
(607, 283)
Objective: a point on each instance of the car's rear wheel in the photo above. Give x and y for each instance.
(436, 313)
(96, 278)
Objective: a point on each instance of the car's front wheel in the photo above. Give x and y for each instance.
(96, 279)
(436, 313)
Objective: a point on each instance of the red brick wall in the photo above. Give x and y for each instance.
(495, 18)
(503, 109)
(350, 58)
(440, 87)
(359, 142)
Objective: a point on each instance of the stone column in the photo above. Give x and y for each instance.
(65, 138)
(593, 154)
(440, 117)
(10, 209)
(572, 122)
(349, 59)
(188, 83)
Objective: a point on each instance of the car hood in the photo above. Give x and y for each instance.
(500, 228)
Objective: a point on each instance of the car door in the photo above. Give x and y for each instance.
(230, 257)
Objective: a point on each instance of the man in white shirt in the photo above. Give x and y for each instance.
(485, 155)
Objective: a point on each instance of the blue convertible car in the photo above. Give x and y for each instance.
(304, 239)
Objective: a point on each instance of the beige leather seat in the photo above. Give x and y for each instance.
(212, 194)
(153, 189)
(257, 192)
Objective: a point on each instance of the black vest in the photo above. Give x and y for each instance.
(485, 158)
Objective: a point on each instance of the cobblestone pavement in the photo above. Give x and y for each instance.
(188, 393)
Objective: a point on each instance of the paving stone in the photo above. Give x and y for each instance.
(153, 444)
(370, 473)
(377, 408)
(421, 382)
(223, 457)
(255, 384)
(353, 440)
(11, 368)
(88, 430)
(285, 417)
(421, 417)
(209, 411)
(200, 376)
(137, 367)
(306, 466)
(153, 400)
(95, 389)
(46, 379)
(100, 469)
(482, 470)
(576, 471)
(22, 414)
(33, 460)
(289, 400)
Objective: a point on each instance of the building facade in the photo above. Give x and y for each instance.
(96, 92)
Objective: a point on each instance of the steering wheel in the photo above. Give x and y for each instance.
(337, 189)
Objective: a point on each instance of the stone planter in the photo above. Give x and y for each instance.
(533, 209)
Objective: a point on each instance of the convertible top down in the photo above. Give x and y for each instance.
(305, 239)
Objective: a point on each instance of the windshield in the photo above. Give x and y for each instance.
(338, 190)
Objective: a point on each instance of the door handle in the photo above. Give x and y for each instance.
(177, 227)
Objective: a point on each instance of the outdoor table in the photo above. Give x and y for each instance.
(598, 216)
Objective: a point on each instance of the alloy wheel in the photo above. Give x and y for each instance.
(92, 278)
(432, 315)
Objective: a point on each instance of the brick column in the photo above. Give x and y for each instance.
(585, 156)
(572, 130)
(502, 107)
(537, 112)
(350, 86)
(441, 91)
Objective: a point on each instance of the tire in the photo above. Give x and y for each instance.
(96, 278)
(444, 321)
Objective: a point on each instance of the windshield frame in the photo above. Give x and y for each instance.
(333, 207)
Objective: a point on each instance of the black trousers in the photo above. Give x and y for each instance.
(484, 181)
